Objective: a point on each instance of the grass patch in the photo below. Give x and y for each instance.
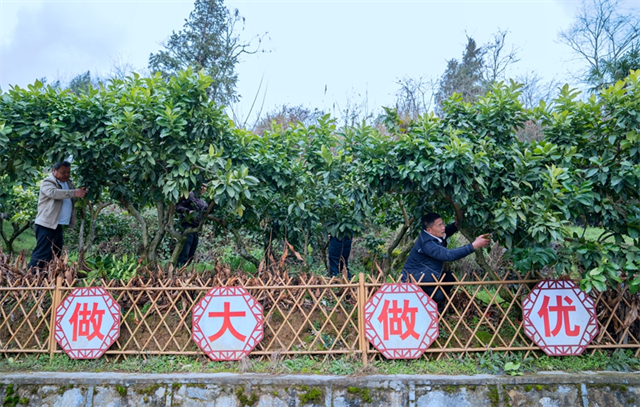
(595, 362)
(594, 234)
(484, 336)
(462, 365)
(485, 296)
(422, 366)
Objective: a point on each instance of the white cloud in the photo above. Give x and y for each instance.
(61, 39)
(348, 48)
(58, 38)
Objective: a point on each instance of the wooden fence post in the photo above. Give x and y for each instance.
(362, 299)
(55, 301)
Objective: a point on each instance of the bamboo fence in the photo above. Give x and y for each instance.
(303, 315)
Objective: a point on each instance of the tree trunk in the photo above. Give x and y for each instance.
(505, 293)
(323, 244)
(402, 257)
(177, 250)
(94, 219)
(242, 249)
(238, 239)
(17, 231)
(82, 215)
(182, 237)
(143, 225)
(306, 249)
(85, 246)
(4, 238)
(163, 218)
(408, 222)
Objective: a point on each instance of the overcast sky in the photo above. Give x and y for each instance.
(321, 54)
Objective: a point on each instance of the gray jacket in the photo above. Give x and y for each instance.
(50, 202)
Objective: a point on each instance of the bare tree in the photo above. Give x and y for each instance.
(121, 67)
(602, 34)
(535, 89)
(355, 109)
(415, 97)
(287, 116)
(496, 58)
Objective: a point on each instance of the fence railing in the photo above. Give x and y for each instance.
(303, 315)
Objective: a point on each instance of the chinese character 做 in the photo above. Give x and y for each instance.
(393, 319)
(86, 323)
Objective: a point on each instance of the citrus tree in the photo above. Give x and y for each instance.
(144, 143)
(169, 137)
(600, 140)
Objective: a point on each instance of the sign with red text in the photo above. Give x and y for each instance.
(227, 323)
(559, 317)
(401, 321)
(87, 323)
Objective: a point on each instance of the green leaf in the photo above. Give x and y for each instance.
(599, 285)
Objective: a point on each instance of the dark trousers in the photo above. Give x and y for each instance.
(339, 250)
(438, 293)
(189, 249)
(48, 243)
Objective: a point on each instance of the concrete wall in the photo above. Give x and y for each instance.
(235, 390)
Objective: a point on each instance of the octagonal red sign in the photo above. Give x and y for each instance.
(401, 321)
(227, 323)
(87, 323)
(559, 317)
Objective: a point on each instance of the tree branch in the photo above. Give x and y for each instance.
(143, 223)
(408, 222)
(243, 249)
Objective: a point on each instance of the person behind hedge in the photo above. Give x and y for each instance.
(339, 250)
(427, 257)
(191, 210)
(55, 212)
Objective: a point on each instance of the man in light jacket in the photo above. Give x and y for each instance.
(55, 210)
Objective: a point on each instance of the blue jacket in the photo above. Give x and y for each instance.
(429, 254)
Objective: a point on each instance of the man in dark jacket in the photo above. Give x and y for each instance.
(191, 210)
(429, 253)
